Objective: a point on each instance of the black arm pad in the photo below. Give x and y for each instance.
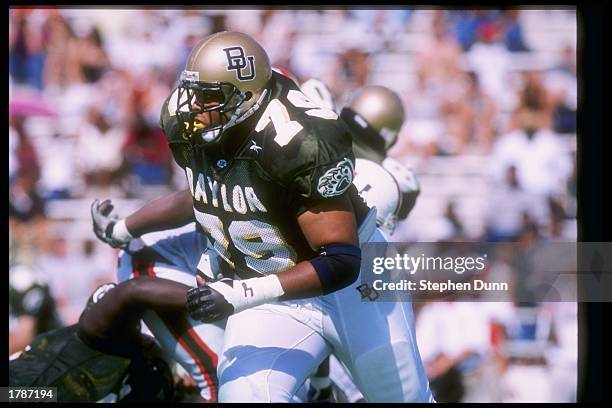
(337, 266)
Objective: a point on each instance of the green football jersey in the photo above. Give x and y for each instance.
(287, 157)
(81, 373)
(59, 358)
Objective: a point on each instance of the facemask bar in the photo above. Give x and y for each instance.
(190, 92)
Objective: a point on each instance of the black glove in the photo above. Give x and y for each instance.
(208, 304)
(104, 222)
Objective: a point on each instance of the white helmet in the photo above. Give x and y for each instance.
(404, 176)
(379, 189)
(319, 93)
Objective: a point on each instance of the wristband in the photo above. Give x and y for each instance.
(248, 293)
(120, 232)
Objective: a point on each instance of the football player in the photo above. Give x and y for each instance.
(32, 308)
(375, 116)
(179, 254)
(270, 185)
(104, 357)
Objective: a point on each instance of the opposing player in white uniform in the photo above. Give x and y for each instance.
(178, 254)
(270, 177)
(375, 115)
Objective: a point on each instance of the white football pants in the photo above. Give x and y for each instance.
(270, 350)
(177, 255)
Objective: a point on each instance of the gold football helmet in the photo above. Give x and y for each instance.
(381, 108)
(225, 81)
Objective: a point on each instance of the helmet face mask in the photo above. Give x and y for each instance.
(203, 99)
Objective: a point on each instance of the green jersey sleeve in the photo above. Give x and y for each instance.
(319, 165)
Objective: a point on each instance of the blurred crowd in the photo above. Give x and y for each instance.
(490, 98)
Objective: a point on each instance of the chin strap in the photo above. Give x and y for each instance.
(238, 118)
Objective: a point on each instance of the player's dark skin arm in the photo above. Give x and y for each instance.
(110, 325)
(332, 221)
(171, 211)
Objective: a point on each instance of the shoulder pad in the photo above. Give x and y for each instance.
(407, 182)
(168, 119)
(319, 93)
(404, 175)
(305, 146)
(379, 189)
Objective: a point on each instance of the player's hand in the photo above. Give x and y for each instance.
(217, 300)
(104, 221)
(211, 302)
(185, 383)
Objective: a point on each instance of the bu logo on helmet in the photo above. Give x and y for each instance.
(236, 60)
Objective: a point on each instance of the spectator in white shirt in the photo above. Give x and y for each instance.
(543, 165)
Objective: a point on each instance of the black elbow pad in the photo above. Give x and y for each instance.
(337, 266)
